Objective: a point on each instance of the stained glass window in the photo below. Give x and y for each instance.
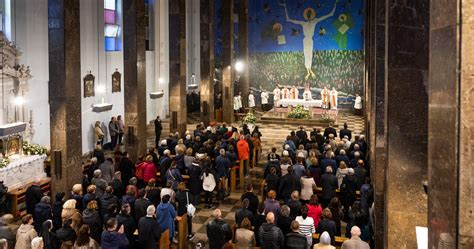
(111, 25)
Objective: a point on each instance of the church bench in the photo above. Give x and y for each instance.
(339, 240)
(17, 197)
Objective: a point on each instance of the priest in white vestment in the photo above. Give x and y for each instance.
(358, 105)
(324, 97)
(276, 96)
(264, 97)
(307, 95)
(333, 98)
(237, 102)
(251, 100)
(294, 93)
(285, 93)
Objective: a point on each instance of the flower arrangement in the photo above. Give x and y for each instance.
(33, 149)
(299, 113)
(4, 162)
(249, 118)
(326, 118)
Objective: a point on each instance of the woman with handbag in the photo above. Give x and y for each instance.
(183, 197)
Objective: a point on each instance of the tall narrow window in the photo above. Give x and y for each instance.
(112, 25)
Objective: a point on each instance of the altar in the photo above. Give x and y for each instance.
(23, 170)
(301, 102)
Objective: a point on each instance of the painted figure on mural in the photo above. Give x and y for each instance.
(333, 98)
(308, 31)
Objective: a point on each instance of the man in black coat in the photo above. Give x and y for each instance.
(302, 135)
(42, 212)
(329, 184)
(289, 183)
(270, 236)
(330, 130)
(244, 212)
(141, 205)
(106, 200)
(345, 132)
(148, 230)
(218, 231)
(33, 196)
(253, 199)
(158, 128)
(295, 240)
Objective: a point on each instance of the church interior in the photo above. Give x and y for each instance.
(236, 124)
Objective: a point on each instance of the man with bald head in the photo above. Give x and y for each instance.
(355, 242)
(270, 236)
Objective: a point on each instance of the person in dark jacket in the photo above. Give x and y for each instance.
(113, 239)
(289, 183)
(126, 167)
(107, 198)
(91, 217)
(326, 224)
(295, 205)
(218, 231)
(244, 212)
(57, 209)
(32, 197)
(165, 164)
(183, 198)
(158, 128)
(66, 233)
(141, 205)
(42, 212)
(253, 199)
(270, 236)
(360, 173)
(89, 196)
(348, 190)
(148, 230)
(129, 225)
(153, 193)
(330, 130)
(284, 220)
(112, 211)
(295, 240)
(117, 185)
(272, 180)
(49, 238)
(76, 194)
(195, 182)
(329, 185)
(345, 132)
(6, 232)
(259, 219)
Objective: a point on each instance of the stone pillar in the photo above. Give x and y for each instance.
(134, 61)
(65, 91)
(227, 61)
(451, 133)
(177, 58)
(406, 120)
(207, 60)
(244, 51)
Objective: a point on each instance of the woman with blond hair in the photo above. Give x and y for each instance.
(244, 236)
(76, 194)
(341, 172)
(70, 212)
(99, 133)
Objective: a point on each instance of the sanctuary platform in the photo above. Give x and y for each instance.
(279, 115)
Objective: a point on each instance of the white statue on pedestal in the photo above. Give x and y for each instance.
(251, 100)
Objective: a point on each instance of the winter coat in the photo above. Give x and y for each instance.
(315, 212)
(113, 240)
(173, 175)
(129, 227)
(149, 171)
(24, 235)
(271, 237)
(107, 171)
(64, 234)
(100, 184)
(141, 205)
(127, 169)
(288, 184)
(195, 182)
(57, 210)
(92, 245)
(165, 216)
(91, 217)
(329, 226)
(329, 185)
(41, 214)
(105, 201)
(87, 198)
(244, 238)
(218, 233)
(7, 233)
(296, 241)
(148, 233)
(243, 149)
(32, 197)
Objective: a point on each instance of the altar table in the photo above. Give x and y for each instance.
(23, 170)
(302, 102)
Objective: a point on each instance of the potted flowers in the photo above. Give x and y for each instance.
(299, 113)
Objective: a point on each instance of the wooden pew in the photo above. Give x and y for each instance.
(233, 178)
(17, 197)
(339, 240)
(182, 231)
(165, 240)
(241, 173)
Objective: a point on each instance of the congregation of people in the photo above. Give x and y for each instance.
(122, 203)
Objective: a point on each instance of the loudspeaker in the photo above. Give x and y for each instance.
(56, 161)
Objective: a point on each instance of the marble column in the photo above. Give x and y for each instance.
(451, 129)
(406, 120)
(207, 60)
(244, 86)
(228, 61)
(134, 61)
(65, 82)
(177, 58)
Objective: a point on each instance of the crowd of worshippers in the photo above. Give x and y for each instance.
(118, 197)
(293, 211)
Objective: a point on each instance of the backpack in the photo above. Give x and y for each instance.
(139, 171)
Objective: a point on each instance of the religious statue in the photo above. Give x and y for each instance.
(285, 93)
(308, 27)
(358, 105)
(333, 98)
(324, 97)
(294, 93)
(276, 96)
(251, 100)
(237, 102)
(264, 97)
(307, 94)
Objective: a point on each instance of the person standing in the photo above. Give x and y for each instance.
(358, 105)
(270, 236)
(113, 131)
(165, 216)
(251, 100)
(158, 128)
(25, 233)
(33, 196)
(99, 133)
(218, 231)
(149, 230)
(355, 241)
(121, 129)
(264, 96)
(113, 238)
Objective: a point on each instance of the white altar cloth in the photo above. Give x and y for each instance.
(302, 102)
(23, 170)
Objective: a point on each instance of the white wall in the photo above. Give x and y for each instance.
(103, 65)
(30, 32)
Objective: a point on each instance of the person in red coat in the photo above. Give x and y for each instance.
(149, 169)
(243, 151)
